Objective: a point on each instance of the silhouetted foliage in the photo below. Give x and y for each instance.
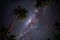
(21, 12)
(57, 24)
(11, 37)
(48, 38)
(42, 3)
(3, 31)
(56, 35)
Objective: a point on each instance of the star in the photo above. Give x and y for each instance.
(36, 10)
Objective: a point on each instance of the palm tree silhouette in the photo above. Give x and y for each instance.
(20, 14)
(42, 3)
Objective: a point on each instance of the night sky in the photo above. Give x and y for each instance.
(44, 19)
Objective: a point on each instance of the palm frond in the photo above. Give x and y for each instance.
(41, 3)
(21, 12)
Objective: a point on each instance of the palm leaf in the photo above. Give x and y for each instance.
(41, 3)
(21, 13)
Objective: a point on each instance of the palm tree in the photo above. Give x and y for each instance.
(42, 3)
(20, 14)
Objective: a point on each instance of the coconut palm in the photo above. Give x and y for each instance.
(20, 14)
(42, 3)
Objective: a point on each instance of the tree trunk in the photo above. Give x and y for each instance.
(10, 26)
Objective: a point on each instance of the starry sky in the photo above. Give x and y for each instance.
(44, 19)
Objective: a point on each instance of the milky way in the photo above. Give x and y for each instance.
(30, 24)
